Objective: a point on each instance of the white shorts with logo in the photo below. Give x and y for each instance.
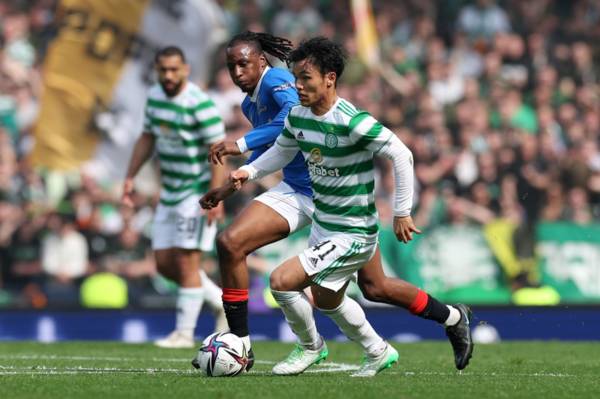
(294, 207)
(182, 226)
(333, 259)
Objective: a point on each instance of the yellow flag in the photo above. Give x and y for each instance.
(83, 66)
(365, 32)
(97, 72)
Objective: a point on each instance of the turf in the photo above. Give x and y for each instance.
(109, 370)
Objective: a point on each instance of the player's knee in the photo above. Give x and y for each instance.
(277, 281)
(228, 245)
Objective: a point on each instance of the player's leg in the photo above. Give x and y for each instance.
(271, 217)
(350, 318)
(179, 234)
(287, 282)
(332, 263)
(256, 226)
(378, 287)
(182, 266)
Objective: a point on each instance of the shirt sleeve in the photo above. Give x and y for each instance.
(402, 160)
(147, 119)
(368, 133)
(285, 97)
(209, 122)
(276, 157)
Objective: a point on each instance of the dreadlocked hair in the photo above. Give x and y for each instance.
(278, 47)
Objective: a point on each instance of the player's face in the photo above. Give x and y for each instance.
(313, 87)
(172, 74)
(245, 65)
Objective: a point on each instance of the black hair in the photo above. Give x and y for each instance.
(323, 53)
(276, 46)
(169, 51)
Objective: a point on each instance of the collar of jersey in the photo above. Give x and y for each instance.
(257, 88)
(329, 111)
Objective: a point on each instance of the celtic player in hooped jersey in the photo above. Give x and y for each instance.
(180, 123)
(338, 143)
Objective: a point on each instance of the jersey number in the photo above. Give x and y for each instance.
(325, 251)
(187, 225)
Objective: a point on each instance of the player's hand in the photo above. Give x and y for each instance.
(213, 197)
(404, 227)
(127, 191)
(221, 148)
(238, 178)
(215, 214)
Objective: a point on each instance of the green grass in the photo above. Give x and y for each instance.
(426, 370)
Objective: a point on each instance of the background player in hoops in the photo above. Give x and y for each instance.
(282, 210)
(180, 123)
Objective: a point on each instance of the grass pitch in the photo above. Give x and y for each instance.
(109, 370)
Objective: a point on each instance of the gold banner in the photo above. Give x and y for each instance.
(83, 65)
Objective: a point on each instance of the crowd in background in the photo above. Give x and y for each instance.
(498, 101)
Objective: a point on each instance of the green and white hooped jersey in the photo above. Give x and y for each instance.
(184, 127)
(338, 148)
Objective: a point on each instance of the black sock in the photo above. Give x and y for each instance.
(237, 317)
(435, 310)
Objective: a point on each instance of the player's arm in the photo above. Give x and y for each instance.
(142, 151)
(275, 158)
(262, 135)
(402, 161)
(268, 133)
(371, 134)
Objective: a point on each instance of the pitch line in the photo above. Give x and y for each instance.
(327, 367)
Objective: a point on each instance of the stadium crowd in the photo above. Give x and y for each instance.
(498, 101)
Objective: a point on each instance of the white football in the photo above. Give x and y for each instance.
(221, 355)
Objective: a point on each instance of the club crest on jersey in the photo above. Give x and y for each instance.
(331, 140)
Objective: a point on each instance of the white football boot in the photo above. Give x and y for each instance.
(300, 359)
(373, 365)
(177, 339)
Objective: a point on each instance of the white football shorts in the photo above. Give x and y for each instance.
(183, 226)
(333, 259)
(294, 207)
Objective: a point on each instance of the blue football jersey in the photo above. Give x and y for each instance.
(266, 109)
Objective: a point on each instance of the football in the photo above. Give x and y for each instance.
(221, 355)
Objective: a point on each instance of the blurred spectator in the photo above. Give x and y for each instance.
(499, 101)
(64, 258)
(483, 20)
(297, 19)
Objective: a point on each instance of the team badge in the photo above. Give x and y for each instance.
(315, 156)
(331, 140)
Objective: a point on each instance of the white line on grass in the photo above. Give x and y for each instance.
(328, 367)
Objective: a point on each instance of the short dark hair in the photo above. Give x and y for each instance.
(169, 51)
(276, 46)
(322, 52)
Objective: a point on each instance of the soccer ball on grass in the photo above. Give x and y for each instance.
(221, 355)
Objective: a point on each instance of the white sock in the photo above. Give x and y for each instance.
(189, 304)
(299, 315)
(351, 319)
(212, 292)
(453, 317)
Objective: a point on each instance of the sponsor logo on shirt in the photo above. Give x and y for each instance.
(301, 135)
(318, 170)
(284, 86)
(316, 156)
